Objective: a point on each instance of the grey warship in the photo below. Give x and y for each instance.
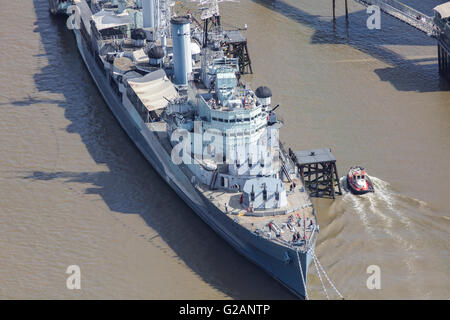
(177, 93)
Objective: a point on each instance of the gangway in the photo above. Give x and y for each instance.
(437, 27)
(405, 14)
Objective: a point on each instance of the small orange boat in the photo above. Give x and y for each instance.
(358, 181)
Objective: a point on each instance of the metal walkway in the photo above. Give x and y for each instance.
(405, 14)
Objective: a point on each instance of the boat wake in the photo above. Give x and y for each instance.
(385, 209)
(387, 217)
(383, 228)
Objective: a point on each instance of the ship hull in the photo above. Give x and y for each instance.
(279, 261)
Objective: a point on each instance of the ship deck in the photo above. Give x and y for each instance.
(298, 218)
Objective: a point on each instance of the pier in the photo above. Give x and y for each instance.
(235, 42)
(317, 168)
(237, 47)
(400, 11)
(437, 27)
(441, 20)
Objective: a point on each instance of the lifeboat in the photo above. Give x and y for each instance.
(358, 181)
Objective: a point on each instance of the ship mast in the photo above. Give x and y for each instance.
(157, 14)
(163, 15)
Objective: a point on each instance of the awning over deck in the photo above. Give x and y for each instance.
(109, 19)
(443, 10)
(153, 89)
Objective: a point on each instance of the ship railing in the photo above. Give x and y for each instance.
(301, 245)
(113, 38)
(221, 62)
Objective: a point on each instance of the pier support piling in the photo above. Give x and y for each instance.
(334, 10)
(444, 59)
(346, 10)
(318, 171)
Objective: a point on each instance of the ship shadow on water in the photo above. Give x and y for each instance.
(416, 74)
(129, 185)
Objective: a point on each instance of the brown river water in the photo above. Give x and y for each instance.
(74, 190)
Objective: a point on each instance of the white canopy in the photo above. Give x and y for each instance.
(109, 19)
(153, 89)
(443, 10)
(140, 56)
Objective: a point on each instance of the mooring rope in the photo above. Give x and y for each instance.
(320, 277)
(301, 272)
(326, 276)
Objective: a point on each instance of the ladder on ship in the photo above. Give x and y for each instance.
(214, 179)
(286, 173)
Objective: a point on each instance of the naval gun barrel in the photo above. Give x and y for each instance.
(274, 108)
